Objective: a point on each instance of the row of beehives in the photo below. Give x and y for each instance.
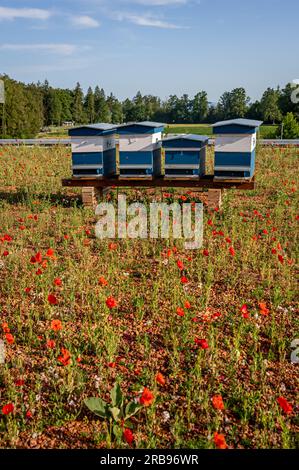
(140, 151)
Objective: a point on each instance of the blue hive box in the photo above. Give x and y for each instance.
(235, 147)
(140, 149)
(185, 155)
(93, 150)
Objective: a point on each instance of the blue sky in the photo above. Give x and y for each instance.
(156, 46)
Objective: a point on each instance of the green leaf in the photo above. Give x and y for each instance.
(115, 412)
(97, 406)
(131, 409)
(116, 395)
(117, 431)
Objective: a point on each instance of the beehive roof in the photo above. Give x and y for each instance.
(197, 137)
(238, 122)
(101, 126)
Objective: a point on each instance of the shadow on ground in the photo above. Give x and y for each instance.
(26, 198)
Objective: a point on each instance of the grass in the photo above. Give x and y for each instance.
(248, 359)
(266, 131)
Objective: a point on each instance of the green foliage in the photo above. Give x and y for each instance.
(116, 411)
(270, 106)
(23, 113)
(200, 107)
(289, 128)
(30, 107)
(287, 103)
(78, 113)
(102, 111)
(89, 106)
(233, 104)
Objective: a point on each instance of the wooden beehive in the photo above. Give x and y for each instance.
(235, 146)
(185, 155)
(93, 150)
(139, 149)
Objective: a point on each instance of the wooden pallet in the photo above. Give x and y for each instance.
(206, 182)
(94, 188)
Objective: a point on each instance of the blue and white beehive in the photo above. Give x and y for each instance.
(235, 147)
(93, 150)
(185, 155)
(140, 148)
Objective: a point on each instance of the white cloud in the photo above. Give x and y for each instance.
(85, 21)
(62, 49)
(145, 20)
(25, 13)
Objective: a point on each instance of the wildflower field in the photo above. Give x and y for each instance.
(179, 349)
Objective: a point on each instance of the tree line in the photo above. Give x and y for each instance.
(29, 108)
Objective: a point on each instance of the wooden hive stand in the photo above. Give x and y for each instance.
(93, 189)
(214, 198)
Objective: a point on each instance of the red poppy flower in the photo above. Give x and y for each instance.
(184, 280)
(219, 441)
(210, 222)
(52, 299)
(128, 436)
(187, 305)
(65, 358)
(205, 252)
(280, 259)
(38, 272)
(56, 325)
(244, 311)
(103, 281)
(232, 250)
(160, 379)
(5, 328)
(50, 253)
(50, 344)
(5, 253)
(27, 290)
(112, 246)
(38, 257)
(111, 302)
(7, 409)
(20, 383)
(9, 338)
(147, 397)
(263, 309)
(202, 343)
(180, 311)
(285, 405)
(180, 265)
(33, 260)
(66, 237)
(217, 402)
(29, 414)
(217, 315)
(57, 281)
